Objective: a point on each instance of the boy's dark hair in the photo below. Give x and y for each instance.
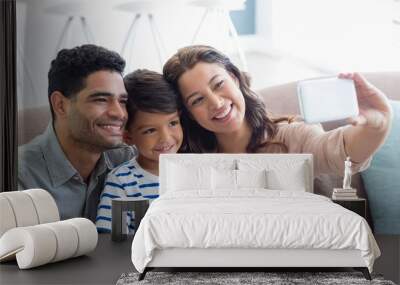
(148, 91)
(71, 67)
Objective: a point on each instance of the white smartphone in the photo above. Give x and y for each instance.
(327, 99)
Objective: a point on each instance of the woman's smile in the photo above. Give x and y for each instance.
(218, 101)
(224, 114)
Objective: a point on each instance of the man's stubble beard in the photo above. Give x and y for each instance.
(86, 136)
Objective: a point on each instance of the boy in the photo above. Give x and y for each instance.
(153, 126)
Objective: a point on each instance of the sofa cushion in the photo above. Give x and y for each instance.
(382, 181)
(32, 122)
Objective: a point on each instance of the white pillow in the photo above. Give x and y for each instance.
(251, 178)
(182, 177)
(223, 179)
(231, 180)
(291, 178)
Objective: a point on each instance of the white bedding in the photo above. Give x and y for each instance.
(251, 218)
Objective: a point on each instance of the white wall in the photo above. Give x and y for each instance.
(39, 30)
(301, 38)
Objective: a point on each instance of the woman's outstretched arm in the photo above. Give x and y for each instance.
(371, 127)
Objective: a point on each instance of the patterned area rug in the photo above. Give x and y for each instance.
(242, 278)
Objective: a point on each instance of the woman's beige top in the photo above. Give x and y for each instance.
(327, 147)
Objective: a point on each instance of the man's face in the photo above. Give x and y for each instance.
(97, 114)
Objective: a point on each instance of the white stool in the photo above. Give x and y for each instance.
(221, 9)
(144, 8)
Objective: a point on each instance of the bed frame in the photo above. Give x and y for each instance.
(242, 259)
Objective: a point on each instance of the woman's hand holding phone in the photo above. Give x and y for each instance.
(374, 109)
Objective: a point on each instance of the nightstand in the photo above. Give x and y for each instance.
(358, 205)
(119, 208)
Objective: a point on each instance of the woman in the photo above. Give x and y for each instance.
(222, 114)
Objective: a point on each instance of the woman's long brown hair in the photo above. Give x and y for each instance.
(200, 140)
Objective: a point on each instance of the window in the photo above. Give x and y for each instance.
(338, 35)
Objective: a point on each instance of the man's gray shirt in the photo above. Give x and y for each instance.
(43, 164)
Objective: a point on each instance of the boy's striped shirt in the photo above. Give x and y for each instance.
(127, 180)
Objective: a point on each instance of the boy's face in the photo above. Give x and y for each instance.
(153, 134)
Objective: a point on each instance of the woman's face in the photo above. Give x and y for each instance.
(212, 96)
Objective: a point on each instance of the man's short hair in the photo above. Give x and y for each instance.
(71, 67)
(148, 91)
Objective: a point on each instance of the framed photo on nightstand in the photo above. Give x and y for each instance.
(137, 205)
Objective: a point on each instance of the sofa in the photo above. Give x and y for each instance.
(279, 99)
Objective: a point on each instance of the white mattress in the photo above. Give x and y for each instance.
(252, 218)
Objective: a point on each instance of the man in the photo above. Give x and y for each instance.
(83, 142)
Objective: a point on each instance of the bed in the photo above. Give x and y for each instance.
(247, 210)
